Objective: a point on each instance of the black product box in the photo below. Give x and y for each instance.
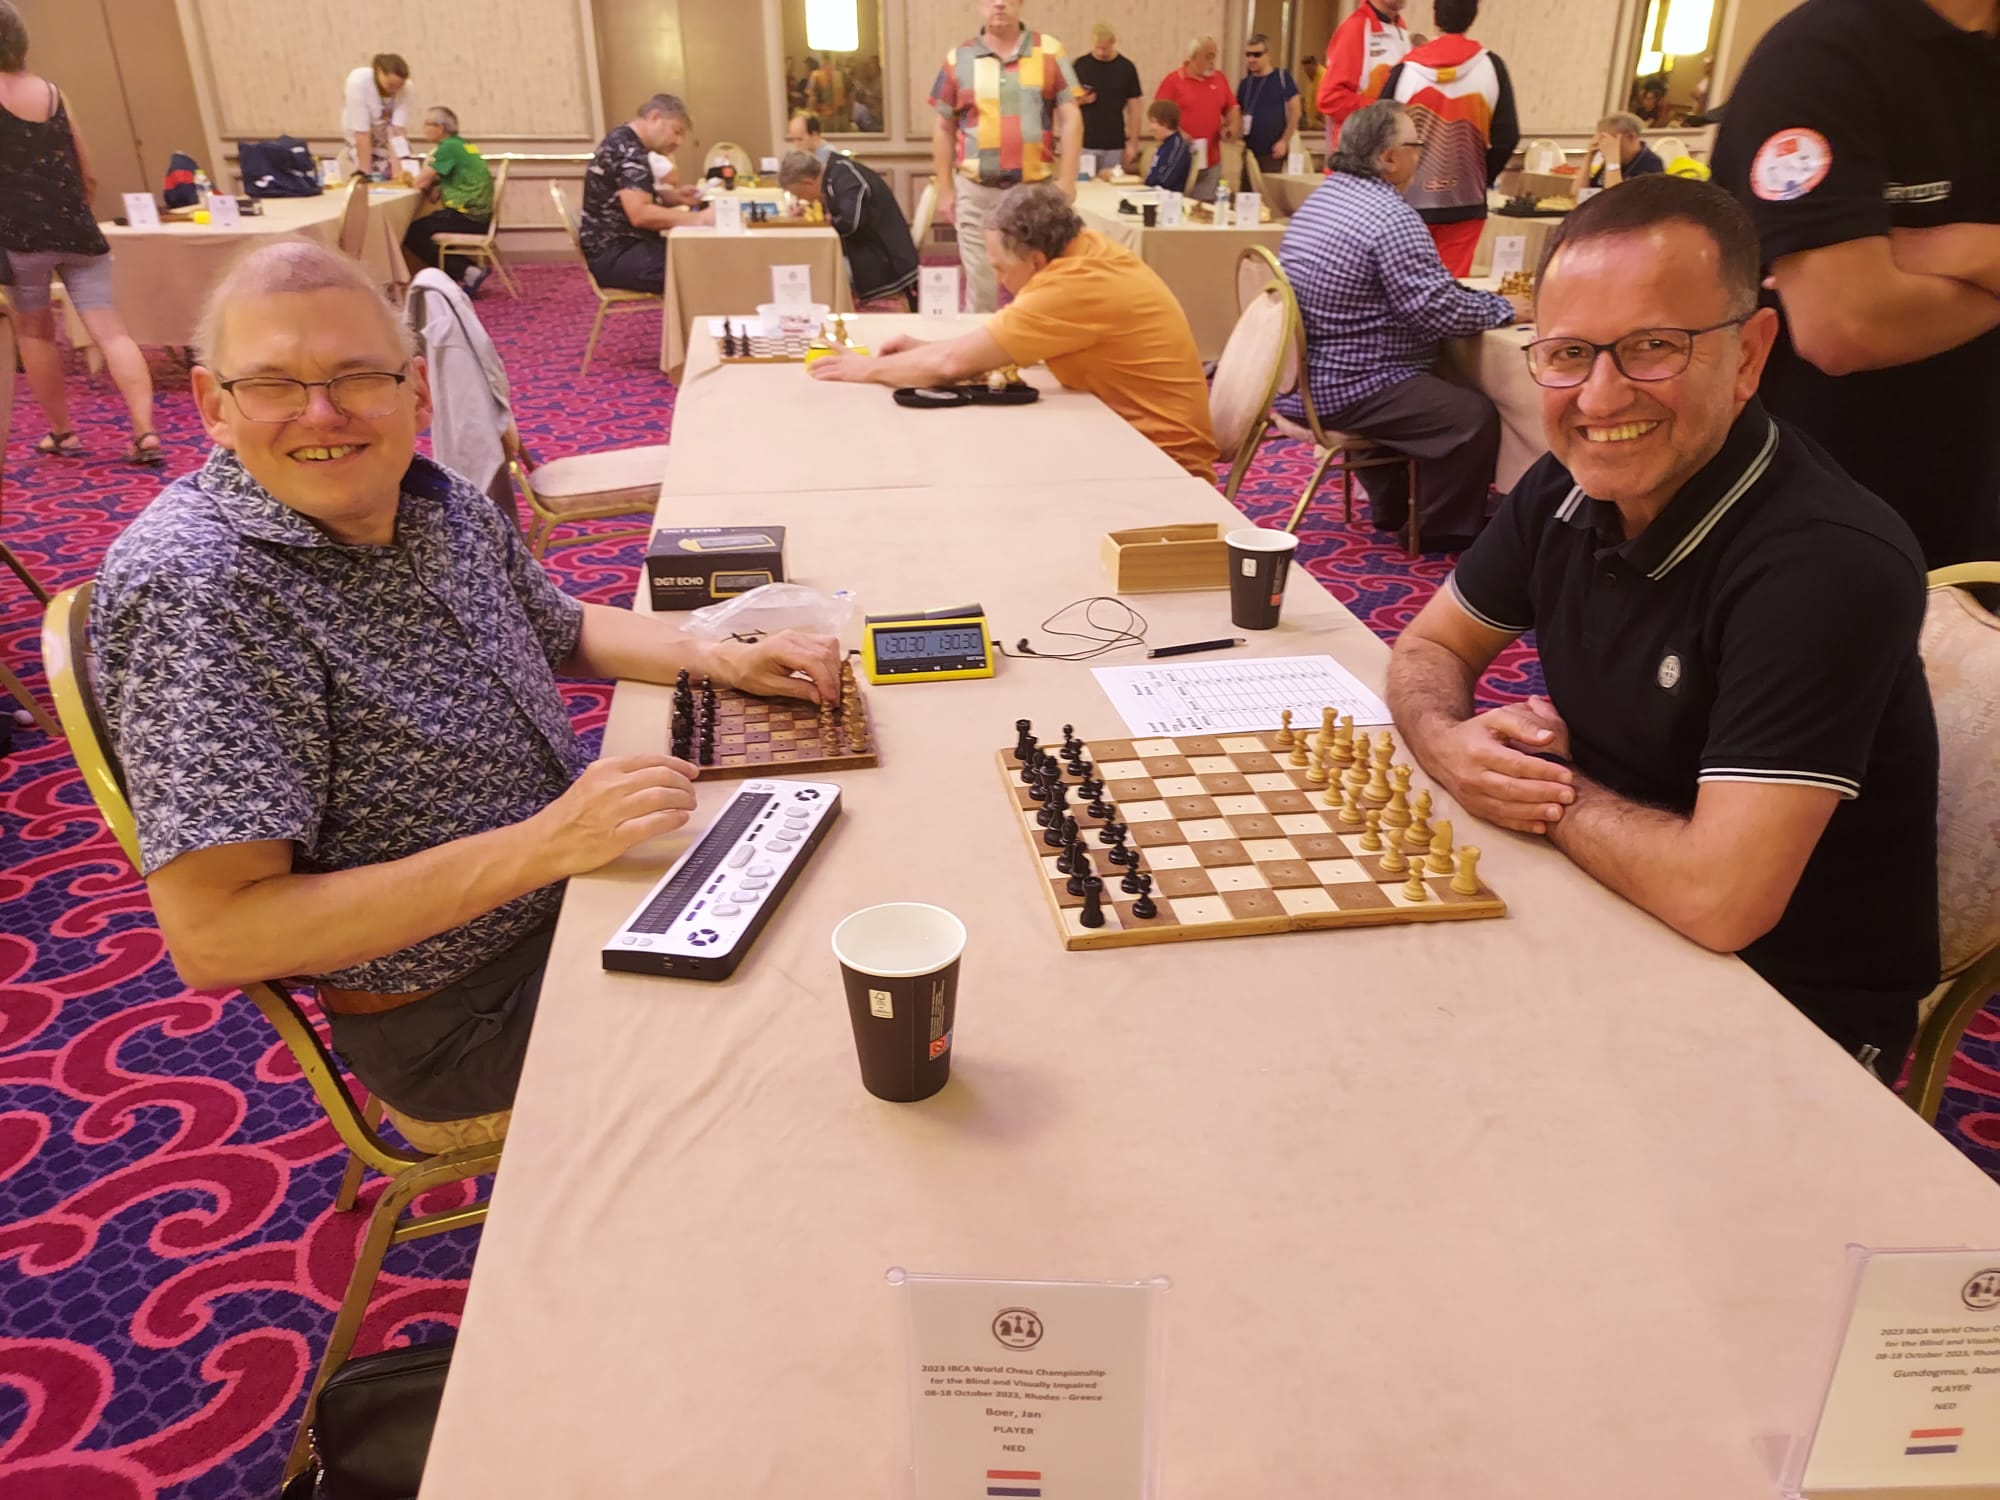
(689, 566)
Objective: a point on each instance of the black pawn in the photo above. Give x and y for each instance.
(1072, 746)
(1111, 833)
(1143, 908)
(1099, 808)
(1071, 832)
(1080, 870)
(1130, 884)
(1053, 835)
(1066, 861)
(1120, 855)
(1092, 914)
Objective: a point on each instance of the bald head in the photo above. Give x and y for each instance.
(294, 267)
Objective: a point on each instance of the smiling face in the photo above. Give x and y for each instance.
(344, 472)
(1635, 443)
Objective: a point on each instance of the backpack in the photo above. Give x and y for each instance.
(180, 190)
(283, 168)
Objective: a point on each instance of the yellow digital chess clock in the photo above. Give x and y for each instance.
(945, 645)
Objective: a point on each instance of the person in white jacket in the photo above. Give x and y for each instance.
(375, 115)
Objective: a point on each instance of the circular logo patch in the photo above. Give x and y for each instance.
(1790, 164)
(1982, 1292)
(1018, 1328)
(1670, 671)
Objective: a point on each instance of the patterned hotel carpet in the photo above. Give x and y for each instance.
(169, 1259)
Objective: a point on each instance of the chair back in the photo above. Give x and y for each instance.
(1256, 268)
(728, 151)
(1961, 649)
(1253, 363)
(1256, 172)
(71, 666)
(1543, 155)
(569, 227)
(354, 221)
(1671, 148)
(920, 221)
(499, 197)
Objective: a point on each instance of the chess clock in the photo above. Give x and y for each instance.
(945, 645)
(724, 584)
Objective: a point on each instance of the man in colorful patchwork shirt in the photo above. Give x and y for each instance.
(1007, 113)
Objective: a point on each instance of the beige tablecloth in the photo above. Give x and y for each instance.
(1197, 261)
(162, 276)
(1494, 363)
(1287, 193)
(760, 429)
(1534, 233)
(1544, 1208)
(710, 274)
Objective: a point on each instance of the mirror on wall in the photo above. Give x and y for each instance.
(833, 64)
(1675, 62)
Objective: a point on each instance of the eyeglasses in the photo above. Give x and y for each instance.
(1645, 355)
(277, 398)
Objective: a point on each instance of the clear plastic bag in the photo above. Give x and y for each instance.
(772, 607)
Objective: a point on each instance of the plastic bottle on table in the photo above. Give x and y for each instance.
(1222, 196)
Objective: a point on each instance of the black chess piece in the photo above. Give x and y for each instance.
(682, 682)
(1080, 870)
(1038, 782)
(1143, 908)
(1092, 914)
(1130, 884)
(1099, 808)
(1121, 855)
(1024, 739)
(1053, 834)
(1111, 833)
(1059, 797)
(1071, 831)
(1066, 861)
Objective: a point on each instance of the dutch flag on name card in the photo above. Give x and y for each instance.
(1923, 1440)
(1021, 1482)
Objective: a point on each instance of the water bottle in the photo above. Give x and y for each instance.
(1221, 204)
(201, 185)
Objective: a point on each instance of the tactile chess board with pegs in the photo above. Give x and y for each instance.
(1230, 836)
(748, 736)
(740, 347)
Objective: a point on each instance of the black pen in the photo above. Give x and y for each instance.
(1193, 646)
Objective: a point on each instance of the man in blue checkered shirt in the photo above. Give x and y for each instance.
(1377, 301)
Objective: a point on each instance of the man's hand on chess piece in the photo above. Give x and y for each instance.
(616, 803)
(1492, 764)
(772, 667)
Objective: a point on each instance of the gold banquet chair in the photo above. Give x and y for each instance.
(609, 299)
(1257, 267)
(444, 1153)
(483, 247)
(585, 487)
(1262, 348)
(1961, 646)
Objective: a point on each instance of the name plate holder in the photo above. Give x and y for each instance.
(1024, 1389)
(1911, 1406)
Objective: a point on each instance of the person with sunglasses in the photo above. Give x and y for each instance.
(1269, 97)
(329, 669)
(1737, 735)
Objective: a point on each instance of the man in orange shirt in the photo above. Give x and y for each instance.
(1098, 316)
(1364, 48)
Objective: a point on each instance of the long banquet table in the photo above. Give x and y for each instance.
(1544, 1207)
(710, 274)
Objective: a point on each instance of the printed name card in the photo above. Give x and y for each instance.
(937, 292)
(1295, 162)
(792, 286)
(768, 165)
(1086, 167)
(1248, 208)
(1510, 253)
(1032, 1388)
(141, 212)
(728, 214)
(1913, 1403)
(223, 211)
(1170, 209)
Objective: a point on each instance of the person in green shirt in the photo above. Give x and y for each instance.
(462, 187)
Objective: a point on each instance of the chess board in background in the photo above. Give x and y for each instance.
(1238, 841)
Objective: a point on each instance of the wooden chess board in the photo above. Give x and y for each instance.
(780, 737)
(768, 349)
(1238, 842)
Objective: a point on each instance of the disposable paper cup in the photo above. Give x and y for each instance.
(1259, 562)
(900, 966)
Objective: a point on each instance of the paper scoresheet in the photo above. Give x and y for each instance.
(1246, 694)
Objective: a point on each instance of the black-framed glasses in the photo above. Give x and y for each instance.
(278, 398)
(1645, 354)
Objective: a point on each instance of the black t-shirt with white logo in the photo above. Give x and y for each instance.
(1854, 118)
(1762, 629)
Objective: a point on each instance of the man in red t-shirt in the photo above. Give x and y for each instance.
(1209, 112)
(1364, 48)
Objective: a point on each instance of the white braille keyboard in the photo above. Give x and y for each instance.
(700, 920)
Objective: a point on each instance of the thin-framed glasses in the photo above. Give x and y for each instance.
(1646, 354)
(278, 398)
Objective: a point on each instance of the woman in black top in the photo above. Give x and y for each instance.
(46, 228)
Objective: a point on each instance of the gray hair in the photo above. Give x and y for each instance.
(1623, 123)
(669, 105)
(438, 115)
(1035, 216)
(1369, 132)
(1195, 44)
(1257, 39)
(289, 266)
(798, 167)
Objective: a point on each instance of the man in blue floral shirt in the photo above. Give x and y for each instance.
(329, 668)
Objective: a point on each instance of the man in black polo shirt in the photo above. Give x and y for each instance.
(1862, 139)
(1738, 736)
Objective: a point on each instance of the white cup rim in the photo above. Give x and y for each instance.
(1261, 539)
(951, 932)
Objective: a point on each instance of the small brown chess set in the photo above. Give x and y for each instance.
(1518, 284)
(730, 734)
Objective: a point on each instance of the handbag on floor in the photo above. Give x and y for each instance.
(372, 1427)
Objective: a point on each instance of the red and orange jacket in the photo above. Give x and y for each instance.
(1363, 49)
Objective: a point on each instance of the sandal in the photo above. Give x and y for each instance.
(60, 445)
(143, 455)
